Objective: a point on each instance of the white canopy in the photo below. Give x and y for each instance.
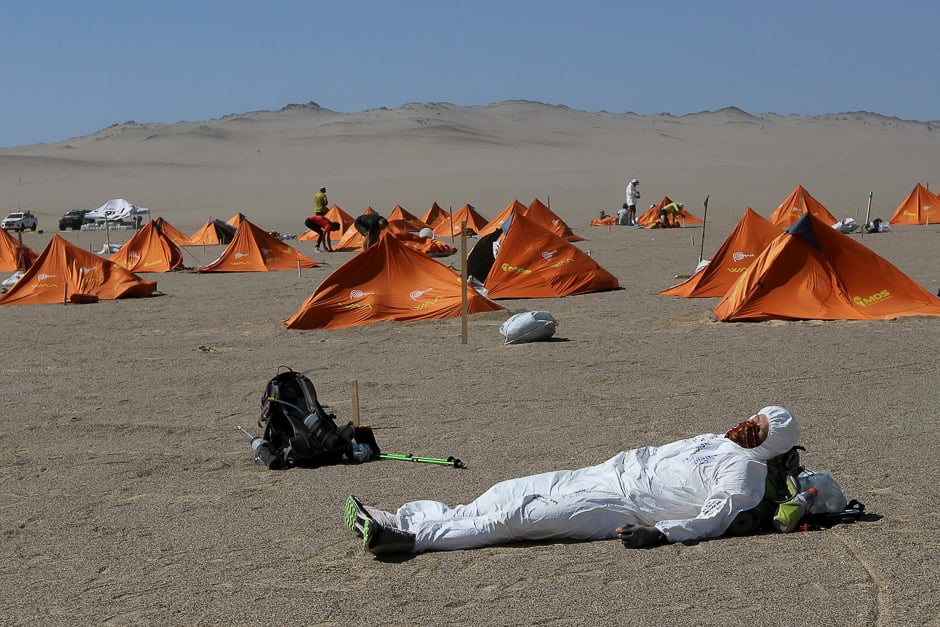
(116, 210)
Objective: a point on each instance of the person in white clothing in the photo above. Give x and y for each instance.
(633, 194)
(686, 490)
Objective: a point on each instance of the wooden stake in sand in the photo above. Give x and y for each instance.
(701, 253)
(451, 207)
(355, 402)
(298, 268)
(463, 282)
(867, 217)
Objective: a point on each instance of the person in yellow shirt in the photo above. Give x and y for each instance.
(320, 202)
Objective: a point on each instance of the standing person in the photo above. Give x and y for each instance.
(687, 490)
(633, 194)
(322, 227)
(320, 202)
(370, 226)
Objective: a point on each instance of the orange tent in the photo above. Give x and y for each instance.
(150, 250)
(64, 269)
(608, 221)
(351, 239)
(649, 217)
(436, 216)
(747, 240)
(533, 262)
(213, 233)
(814, 272)
(335, 214)
(236, 220)
(920, 207)
(796, 204)
(10, 252)
(539, 213)
(467, 213)
(255, 250)
(389, 281)
(405, 221)
(179, 238)
(515, 207)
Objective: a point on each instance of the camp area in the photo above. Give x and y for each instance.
(131, 498)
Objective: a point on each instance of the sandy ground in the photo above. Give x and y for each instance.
(128, 496)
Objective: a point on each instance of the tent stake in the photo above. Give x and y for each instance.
(867, 217)
(355, 402)
(701, 254)
(463, 282)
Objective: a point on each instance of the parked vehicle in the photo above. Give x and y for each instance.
(72, 219)
(20, 221)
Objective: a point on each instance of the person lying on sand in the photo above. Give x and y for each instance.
(690, 489)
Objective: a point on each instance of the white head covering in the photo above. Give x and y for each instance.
(783, 435)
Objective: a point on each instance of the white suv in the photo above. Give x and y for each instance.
(20, 221)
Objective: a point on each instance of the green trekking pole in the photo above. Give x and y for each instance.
(450, 461)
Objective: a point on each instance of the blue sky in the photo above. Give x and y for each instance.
(70, 68)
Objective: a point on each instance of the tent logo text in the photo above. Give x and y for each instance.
(738, 256)
(88, 269)
(508, 268)
(426, 304)
(548, 254)
(358, 293)
(43, 277)
(240, 255)
(871, 300)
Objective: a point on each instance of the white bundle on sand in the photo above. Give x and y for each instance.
(528, 326)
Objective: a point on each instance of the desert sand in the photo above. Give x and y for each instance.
(130, 498)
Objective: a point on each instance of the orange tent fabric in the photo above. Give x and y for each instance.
(920, 207)
(335, 214)
(255, 250)
(236, 220)
(178, 237)
(389, 281)
(426, 245)
(436, 216)
(747, 240)
(608, 221)
(539, 213)
(405, 221)
(515, 207)
(213, 233)
(150, 250)
(796, 204)
(533, 262)
(10, 252)
(63, 269)
(814, 272)
(351, 240)
(475, 222)
(649, 217)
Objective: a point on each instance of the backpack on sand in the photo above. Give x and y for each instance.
(780, 509)
(296, 429)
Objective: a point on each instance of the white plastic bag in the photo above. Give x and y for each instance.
(528, 326)
(830, 499)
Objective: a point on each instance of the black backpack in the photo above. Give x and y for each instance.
(296, 429)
